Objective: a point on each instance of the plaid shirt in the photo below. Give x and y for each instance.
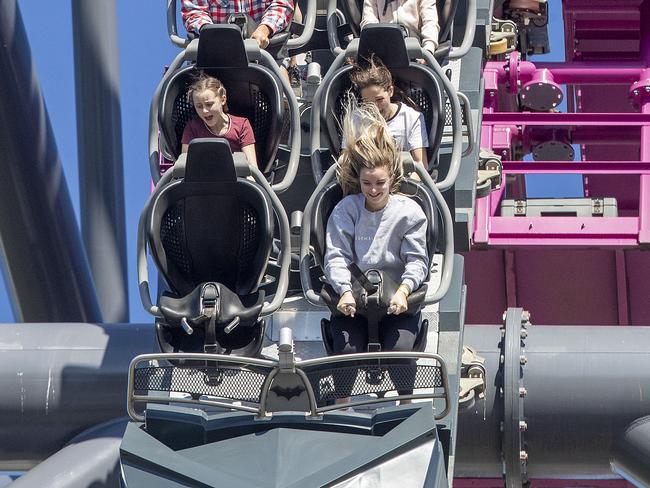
(275, 14)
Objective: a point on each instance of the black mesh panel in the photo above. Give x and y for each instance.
(423, 102)
(219, 381)
(172, 235)
(345, 381)
(260, 120)
(182, 113)
(249, 239)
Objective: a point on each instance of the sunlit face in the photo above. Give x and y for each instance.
(209, 106)
(375, 185)
(379, 96)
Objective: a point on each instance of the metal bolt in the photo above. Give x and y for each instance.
(525, 316)
(503, 317)
(523, 426)
(523, 456)
(636, 92)
(502, 426)
(503, 332)
(523, 333)
(501, 391)
(523, 392)
(647, 89)
(523, 359)
(502, 359)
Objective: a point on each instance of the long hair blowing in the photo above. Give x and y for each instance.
(368, 144)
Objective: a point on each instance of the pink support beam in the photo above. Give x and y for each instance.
(603, 120)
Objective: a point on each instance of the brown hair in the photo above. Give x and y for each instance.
(373, 72)
(368, 144)
(370, 72)
(206, 82)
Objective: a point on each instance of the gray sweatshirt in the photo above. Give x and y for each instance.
(392, 239)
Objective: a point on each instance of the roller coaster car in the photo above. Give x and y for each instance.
(416, 81)
(210, 233)
(280, 408)
(253, 91)
(376, 288)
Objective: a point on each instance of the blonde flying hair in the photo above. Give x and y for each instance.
(368, 144)
(206, 82)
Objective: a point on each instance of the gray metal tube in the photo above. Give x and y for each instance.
(582, 387)
(61, 379)
(99, 136)
(44, 261)
(631, 457)
(91, 460)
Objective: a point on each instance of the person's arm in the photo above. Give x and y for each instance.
(188, 135)
(418, 140)
(249, 152)
(413, 251)
(196, 14)
(277, 15)
(370, 14)
(339, 239)
(429, 28)
(247, 142)
(419, 155)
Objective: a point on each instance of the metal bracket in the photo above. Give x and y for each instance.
(503, 37)
(490, 172)
(472, 380)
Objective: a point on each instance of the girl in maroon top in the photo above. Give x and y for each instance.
(209, 98)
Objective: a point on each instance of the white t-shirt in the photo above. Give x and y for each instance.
(408, 128)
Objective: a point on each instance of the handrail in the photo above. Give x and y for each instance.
(467, 115)
(172, 26)
(188, 54)
(294, 149)
(456, 123)
(301, 368)
(468, 35)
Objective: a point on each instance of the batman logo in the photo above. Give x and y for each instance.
(288, 392)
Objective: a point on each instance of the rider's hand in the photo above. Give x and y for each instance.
(261, 35)
(398, 303)
(347, 305)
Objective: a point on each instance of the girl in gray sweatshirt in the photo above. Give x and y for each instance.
(375, 228)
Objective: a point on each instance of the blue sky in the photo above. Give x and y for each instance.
(144, 51)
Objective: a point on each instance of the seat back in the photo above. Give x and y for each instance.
(211, 226)
(252, 92)
(414, 80)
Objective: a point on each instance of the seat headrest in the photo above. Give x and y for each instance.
(385, 41)
(221, 46)
(209, 160)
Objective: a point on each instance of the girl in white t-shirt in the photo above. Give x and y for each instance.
(375, 84)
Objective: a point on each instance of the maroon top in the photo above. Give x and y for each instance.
(238, 135)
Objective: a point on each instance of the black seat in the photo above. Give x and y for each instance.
(323, 205)
(210, 235)
(253, 92)
(414, 80)
(353, 9)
